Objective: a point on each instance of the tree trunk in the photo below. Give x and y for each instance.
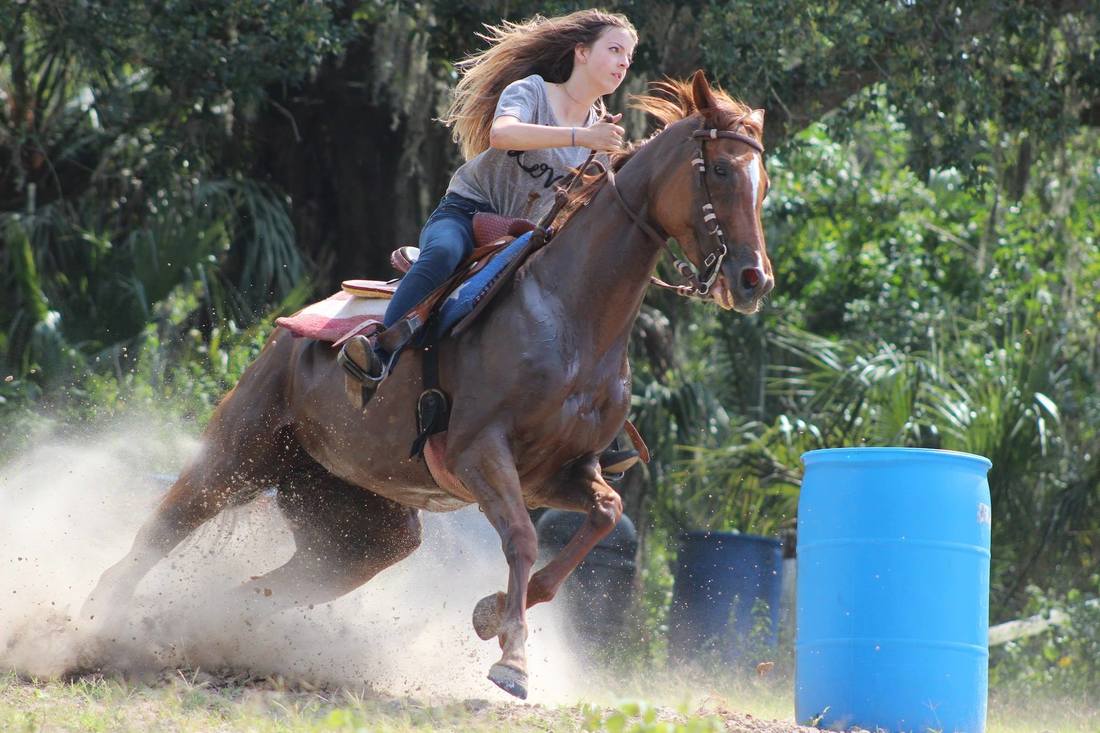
(362, 167)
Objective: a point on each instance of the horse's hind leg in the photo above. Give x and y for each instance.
(343, 537)
(245, 449)
(240, 456)
(189, 503)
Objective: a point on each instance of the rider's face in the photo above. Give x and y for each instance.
(608, 59)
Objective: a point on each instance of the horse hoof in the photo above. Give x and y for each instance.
(487, 615)
(510, 680)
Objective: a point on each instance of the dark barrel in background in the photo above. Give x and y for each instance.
(598, 595)
(726, 597)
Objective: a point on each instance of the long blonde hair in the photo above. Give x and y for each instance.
(538, 45)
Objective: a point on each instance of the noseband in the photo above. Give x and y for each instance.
(698, 283)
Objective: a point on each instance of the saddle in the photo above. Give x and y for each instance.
(491, 233)
(501, 244)
(488, 229)
(358, 307)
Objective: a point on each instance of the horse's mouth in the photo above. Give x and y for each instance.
(720, 294)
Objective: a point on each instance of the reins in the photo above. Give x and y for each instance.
(561, 196)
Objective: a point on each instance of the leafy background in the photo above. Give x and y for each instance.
(175, 175)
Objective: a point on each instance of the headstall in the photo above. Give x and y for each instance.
(698, 283)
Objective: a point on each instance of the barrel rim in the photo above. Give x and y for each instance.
(703, 534)
(870, 454)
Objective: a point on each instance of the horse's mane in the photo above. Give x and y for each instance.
(670, 100)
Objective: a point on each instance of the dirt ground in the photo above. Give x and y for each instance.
(185, 700)
(406, 637)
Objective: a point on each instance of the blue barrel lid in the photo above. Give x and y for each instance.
(870, 454)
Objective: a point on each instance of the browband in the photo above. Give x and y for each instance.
(713, 134)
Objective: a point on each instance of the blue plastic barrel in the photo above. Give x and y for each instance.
(726, 584)
(893, 590)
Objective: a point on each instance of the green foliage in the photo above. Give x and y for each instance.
(167, 373)
(909, 313)
(119, 174)
(184, 55)
(949, 68)
(934, 239)
(185, 368)
(1063, 658)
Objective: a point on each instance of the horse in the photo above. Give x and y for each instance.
(540, 385)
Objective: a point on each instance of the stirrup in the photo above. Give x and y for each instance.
(361, 382)
(375, 370)
(614, 463)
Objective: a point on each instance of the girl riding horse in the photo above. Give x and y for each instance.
(540, 385)
(526, 112)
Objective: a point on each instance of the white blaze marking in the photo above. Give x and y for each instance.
(756, 169)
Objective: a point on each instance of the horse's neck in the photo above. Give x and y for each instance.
(599, 264)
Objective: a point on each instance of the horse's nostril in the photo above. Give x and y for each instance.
(751, 277)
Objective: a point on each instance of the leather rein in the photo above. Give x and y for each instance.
(698, 283)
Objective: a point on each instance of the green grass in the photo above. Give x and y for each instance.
(197, 703)
(190, 703)
(1042, 712)
(188, 706)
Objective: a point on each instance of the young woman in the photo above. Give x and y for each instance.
(526, 111)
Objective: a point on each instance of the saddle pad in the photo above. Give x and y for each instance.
(336, 316)
(463, 299)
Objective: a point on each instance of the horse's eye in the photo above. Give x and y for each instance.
(721, 170)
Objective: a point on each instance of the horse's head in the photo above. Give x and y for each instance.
(711, 191)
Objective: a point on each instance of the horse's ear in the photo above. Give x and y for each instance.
(757, 118)
(701, 93)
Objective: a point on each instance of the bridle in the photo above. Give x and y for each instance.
(698, 283)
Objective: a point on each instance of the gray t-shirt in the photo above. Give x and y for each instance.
(520, 183)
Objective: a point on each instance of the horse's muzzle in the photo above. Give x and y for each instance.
(751, 284)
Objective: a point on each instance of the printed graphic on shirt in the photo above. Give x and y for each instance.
(536, 169)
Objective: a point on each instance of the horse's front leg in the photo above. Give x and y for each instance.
(488, 471)
(581, 489)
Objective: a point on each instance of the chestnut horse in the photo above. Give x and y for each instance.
(540, 386)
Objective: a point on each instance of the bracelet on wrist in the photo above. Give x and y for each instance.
(573, 136)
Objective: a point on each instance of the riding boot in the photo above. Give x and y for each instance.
(365, 369)
(615, 461)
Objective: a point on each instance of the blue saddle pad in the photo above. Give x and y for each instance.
(460, 302)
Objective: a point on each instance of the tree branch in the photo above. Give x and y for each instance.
(807, 98)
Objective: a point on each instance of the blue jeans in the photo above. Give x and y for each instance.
(445, 241)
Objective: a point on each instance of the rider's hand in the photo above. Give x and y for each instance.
(604, 136)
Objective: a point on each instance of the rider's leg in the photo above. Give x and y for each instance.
(446, 239)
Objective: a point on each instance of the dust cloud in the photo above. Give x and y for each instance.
(68, 510)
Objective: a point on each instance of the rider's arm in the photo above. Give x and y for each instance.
(515, 124)
(508, 133)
